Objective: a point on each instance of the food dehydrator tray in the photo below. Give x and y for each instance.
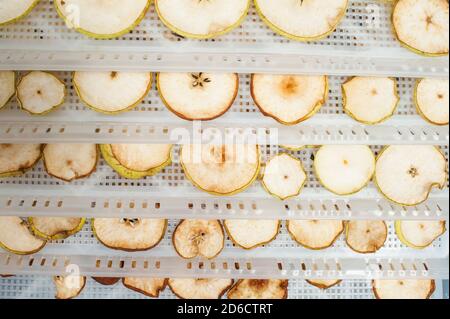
(363, 44)
(152, 122)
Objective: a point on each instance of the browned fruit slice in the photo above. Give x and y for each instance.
(150, 287)
(200, 288)
(259, 289)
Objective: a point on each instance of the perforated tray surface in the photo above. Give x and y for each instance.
(363, 44)
(152, 122)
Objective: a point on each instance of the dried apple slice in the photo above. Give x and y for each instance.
(249, 234)
(431, 99)
(370, 100)
(315, 234)
(403, 289)
(366, 237)
(324, 283)
(422, 25)
(129, 234)
(259, 289)
(55, 228)
(16, 159)
(289, 99)
(198, 96)
(284, 176)
(14, 10)
(306, 20)
(344, 169)
(221, 170)
(406, 174)
(107, 281)
(15, 237)
(112, 92)
(102, 19)
(69, 162)
(39, 92)
(200, 288)
(150, 287)
(7, 87)
(198, 238)
(69, 287)
(419, 234)
(202, 19)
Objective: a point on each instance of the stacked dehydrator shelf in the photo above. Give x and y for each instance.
(362, 45)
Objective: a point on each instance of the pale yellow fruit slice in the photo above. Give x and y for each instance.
(315, 234)
(15, 237)
(40, 92)
(13, 10)
(102, 19)
(69, 287)
(370, 100)
(344, 169)
(432, 100)
(112, 92)
(15, 159)
(150, 287)
(406, 174)
(202, 19)
(249, 234)
(259, 289)
(129, 234)
(200, 288)
(419, 234)
(422, 25)
(289, 99)
(403, 289)
(366, 236)
(198, 96)
(324, 283)
(7, 86)
(294, 147)
(305, 20)
(198, 238)
(54, 228)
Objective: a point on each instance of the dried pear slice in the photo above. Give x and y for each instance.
(55, 228)
(324, 283)
(107, 281)
(14, 10)
(200, 288)
(16, 159)
(294, 147)
(150, 287)
(7, 86)
(16, 237)
(432, 100)
(419, 234)
(249, 234)
(315, 234)
(259, 289)
(69, 287)
(366, 237)
(403, 289)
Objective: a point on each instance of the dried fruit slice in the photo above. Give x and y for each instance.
(403, 289)
(136, 161)
(293, 147)
(107, 281)
(69, 287)
(198, 96)
(17, 238)
(305, 20)
(221, 169)
(13, 10)
(366, 237)
(193, 238)
(419, 234)
(284, 176)
(315, 234)
(289, 99)
(129, 234)
(406, 174)
(16, 159)
(370, 100)
(422, 25)
(324, 283)
(202, 19)
(431, 98)
(249, 234)
(112, 92)
(54, 228)
(39, 92)
(259, 289)
(344, 169)
(200, 288)
(7, 86)
(102, 19)
(150, 287)
(70, 161)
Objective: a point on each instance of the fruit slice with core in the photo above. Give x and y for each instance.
(324, 283)
(315, 234)
(202, 19)
(406, 174)
(112, 92)
(431, 98)
(69, 287)
(366, 237)
(284, 176)
(203, 238)
(129, 234)
(200, 288)
(70, 161)
(15, 237)
(419, 234)
(7, 86)
(370, 100)
(15, 159)
(249, 234)
(150, 287)
(403, 289)
(55, 228)
(259, 289)
(107, 281)
(344, 169)
(13, 10)
(198, 96)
